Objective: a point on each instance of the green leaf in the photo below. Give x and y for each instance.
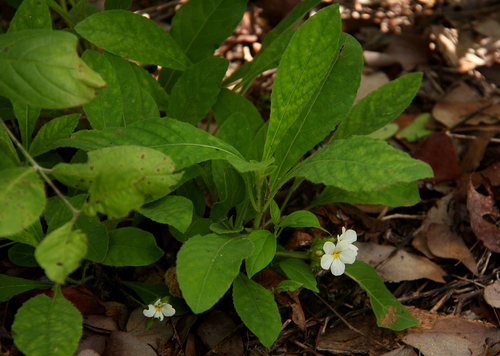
(151, 85)
(329, 104)
(61, 252)
(361, 164)
(7, 147)
(230, 187)
(397, 194)
(264, 249)
(368, 115)
(196, 90)
(206, 266)
(275, 211)
(47, 326)
(58, 213)
(97, 237)
(288, 285)
(22, 199)
(200, 26)
(243, 166)
(107, 109)
(257, 309)
(117, 4)
(170, 210)
(11, 286)
(138, 104)
(184, 143)
(150, 292)
(199, 226)
(390, 313)
(54, 130)
(32, 236)
(300, 218)
(23, 255)
(385, 132)
(26, 119)
(41, 68)
(118, 178)
(299, 271)
(31, 15)
(229, 103)
(236, 131)
(130, 246)
(303, 66)
(416, 130)
(131, 35)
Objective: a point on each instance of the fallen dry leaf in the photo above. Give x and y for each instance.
(492, 294)
(451, 113)
(161, 330)
(215, 328)
(403, 266)
(445, 243)
(125, 344)
(95, 343)
(401, 351)
(478, 206)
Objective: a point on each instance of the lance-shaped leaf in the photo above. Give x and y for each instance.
(196, 90)
(368, 115)
(47, 326)
(361, 163)
(184, 143)
(303, 66)
(7, 147)
(257, 309)
(389, 311)
(264, 243)
(125, 33)
(11, 286)
(22, 199)
(299, 271)
(41, 68)
(61, 252)
(206, 267)
(56, 129)
(171, 210)
(26, 119)
(230, 187)
(31, 15)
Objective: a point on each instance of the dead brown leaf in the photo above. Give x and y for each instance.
(492, 294)
(451, 113)
(215, 328)
(125, 344)
(161, 330)
(479, 206)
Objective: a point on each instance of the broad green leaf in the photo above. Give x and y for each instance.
(47, 326)
(138, 104)
(130, 246)
(22, 199)
(299, 271)
(151, 85)
(230, 187)
(416, 130)
(302, 68)
(41, 68)
(131, 35)
(275, 211)
(389, 311)
(385, 132)
(54, 130)
(300, 218)
(225, 229)
(229, 103)
(200, 26)
(57, 213)
(5, 161)
(206, 267)
(31, 15)
(11, 286)
(118, 178)
(97, 237)
(196, 90)
(26, 119)
(243, 166)
(170, 210)
(264, 249)
(361, 163)
(61, 252)
(23, 255)
(257, 309)
(184, 143)
(107, 109)
(368, 115)
(331, 102)
(7, 147)
(397, 194)
(32, 235)
(199, 226)
(117, 4)
(192, 191)
(289, 285)
(236, 131)
(256, 149)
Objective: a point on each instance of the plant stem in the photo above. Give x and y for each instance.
(293, 254)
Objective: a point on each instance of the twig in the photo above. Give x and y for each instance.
(469, 137)
(470, 116)
(400, 246)
(226, 338)
(403, 216)
(349, 325)
(157, 8)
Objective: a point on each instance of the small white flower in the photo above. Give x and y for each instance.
(158, 310)
(337, 255)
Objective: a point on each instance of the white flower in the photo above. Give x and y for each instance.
(337, 255)
(158, 310)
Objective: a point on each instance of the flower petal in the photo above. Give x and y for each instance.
(326, 261)
(150, 312)
(337, 268)
(328, 247)
(159, 315)
(348, 256)
(158, 302)
(167, 310)
(349, 236)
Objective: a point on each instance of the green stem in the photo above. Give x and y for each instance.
(293, 254)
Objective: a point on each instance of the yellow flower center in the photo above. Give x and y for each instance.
(158, 308)
(335, 254)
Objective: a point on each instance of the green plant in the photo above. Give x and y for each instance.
(133, 159)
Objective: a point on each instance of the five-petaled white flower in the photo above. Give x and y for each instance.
(337, 255)
(158, 310)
